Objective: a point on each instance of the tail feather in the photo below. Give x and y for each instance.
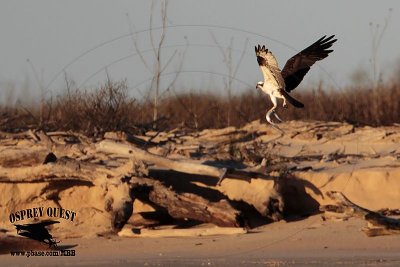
(291, 100)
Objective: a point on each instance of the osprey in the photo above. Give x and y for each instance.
(277, 83)
(38, 231)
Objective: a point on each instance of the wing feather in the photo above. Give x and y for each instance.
(269, 67)
(297, 66)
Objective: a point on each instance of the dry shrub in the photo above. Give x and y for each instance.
(109, 108)
(94, 112)
(356, 105)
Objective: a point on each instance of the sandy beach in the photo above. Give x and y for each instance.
(310, 242)
(360, 162)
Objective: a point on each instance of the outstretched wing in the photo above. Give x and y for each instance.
(47, 222)
(297, 66)
(269, 67)
(35, 227)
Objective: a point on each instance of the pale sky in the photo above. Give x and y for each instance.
(60, 36)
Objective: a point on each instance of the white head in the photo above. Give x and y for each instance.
(259, 85)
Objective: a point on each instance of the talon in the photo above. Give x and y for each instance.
(277, 128)
(277, 117)
(268, 116)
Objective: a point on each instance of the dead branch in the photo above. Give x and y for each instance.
(20, 135)
(377, 223)
(82, 138)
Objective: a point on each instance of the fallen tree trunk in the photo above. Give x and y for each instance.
(188, 205)
(130, 151)
(377, 223)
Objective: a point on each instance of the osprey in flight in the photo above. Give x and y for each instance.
(38, 231)
(277, 83)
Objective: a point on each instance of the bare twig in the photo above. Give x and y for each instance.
(135, 44)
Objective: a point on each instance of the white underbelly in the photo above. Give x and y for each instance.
(272, 89)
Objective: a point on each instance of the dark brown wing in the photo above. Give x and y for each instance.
(297, 66)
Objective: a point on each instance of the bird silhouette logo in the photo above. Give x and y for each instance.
(38, 231)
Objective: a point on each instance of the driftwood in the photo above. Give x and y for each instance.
(188, 205)
(179, 206)
(121, 171)
(21, 135)
(377, 224)
(22, 156)
(129, 232)
(130, 151)
(60, 169)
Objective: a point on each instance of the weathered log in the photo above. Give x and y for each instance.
(21, 156)
(377, 224)
(190, 206)
(130, 151)
(61, 169)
